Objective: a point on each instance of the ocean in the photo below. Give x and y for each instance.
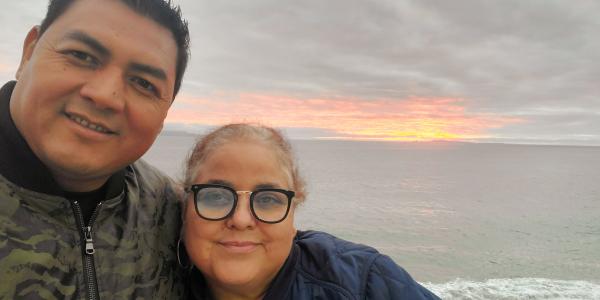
(468, 221)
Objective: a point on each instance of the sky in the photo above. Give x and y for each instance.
(509, 71)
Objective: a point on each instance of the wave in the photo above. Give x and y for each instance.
(516, 288)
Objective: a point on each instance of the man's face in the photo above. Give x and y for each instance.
(93, 91)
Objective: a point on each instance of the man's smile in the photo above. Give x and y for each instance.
(89, 124)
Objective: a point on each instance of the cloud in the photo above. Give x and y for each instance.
(4, 68)
(16, 18)
(410, 119)
(396, 49)
(7, 72)
(502, 57)
(508, 60)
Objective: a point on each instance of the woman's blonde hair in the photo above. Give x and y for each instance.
(246, 132)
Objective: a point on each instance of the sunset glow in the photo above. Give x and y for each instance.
(414, 119)
(4, 68)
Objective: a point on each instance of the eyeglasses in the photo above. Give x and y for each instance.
(217, 202)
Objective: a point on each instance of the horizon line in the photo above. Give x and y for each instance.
(518, 142)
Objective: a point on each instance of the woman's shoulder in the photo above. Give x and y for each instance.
(358, 269)
(327, 265)
(321, 248)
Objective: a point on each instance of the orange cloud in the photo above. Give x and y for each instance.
(5, 68)
(413, 119)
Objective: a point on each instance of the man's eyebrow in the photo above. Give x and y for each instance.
(89, 41)
(103, 51)
(152, 71)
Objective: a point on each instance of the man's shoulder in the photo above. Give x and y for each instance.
(146, 184)
(143, 169)
(147, 177)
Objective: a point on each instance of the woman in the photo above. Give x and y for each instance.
(243, 189)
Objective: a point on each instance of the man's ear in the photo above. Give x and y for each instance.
(28, 46)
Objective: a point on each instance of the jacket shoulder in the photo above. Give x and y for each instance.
(154, 196)
(329, 261)
(387, 280)
(357, 269)
(146, 174)
(147, 182)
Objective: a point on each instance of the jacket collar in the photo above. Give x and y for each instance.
(282, 283)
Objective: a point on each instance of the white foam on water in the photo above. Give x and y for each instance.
(516, 288)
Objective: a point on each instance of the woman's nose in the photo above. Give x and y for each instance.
(242, 217)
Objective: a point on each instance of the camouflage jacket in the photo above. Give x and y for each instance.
(129, 248)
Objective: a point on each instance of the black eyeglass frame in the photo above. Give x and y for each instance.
(195, 188)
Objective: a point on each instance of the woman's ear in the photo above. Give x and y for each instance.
(28, 46)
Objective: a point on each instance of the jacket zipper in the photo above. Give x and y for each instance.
(88, 250)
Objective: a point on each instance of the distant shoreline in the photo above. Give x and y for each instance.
(447, 142)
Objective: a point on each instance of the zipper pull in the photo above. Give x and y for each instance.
(89, 242)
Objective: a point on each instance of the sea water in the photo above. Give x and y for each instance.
(469, 221)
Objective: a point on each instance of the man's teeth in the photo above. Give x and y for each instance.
(87, 124)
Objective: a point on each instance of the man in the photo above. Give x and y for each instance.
(79, 218)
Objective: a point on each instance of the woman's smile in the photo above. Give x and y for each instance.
(240, 247)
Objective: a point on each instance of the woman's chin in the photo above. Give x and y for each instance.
(235, 277)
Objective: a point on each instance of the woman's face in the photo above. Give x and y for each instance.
(240, 251)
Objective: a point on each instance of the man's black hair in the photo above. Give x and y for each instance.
(161, 11)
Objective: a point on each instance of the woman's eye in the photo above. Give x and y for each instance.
(215, 199)
(269, 200)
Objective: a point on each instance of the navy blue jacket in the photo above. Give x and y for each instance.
(321, 266)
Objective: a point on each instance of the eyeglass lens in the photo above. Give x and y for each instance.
(214, 203)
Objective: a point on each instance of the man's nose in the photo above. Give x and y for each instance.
(106, 89)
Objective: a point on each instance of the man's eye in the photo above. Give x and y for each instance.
(84, 57)
(144, 84)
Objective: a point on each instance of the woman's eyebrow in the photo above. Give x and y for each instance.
(219, 182)
(265, 186)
